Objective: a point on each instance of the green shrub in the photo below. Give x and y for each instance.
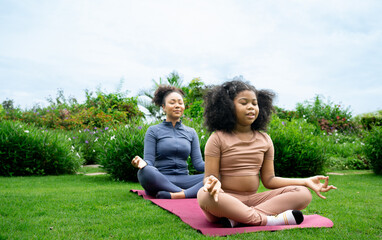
(298, 152)
(349, 163)
(28, 150)
(120, 146)
(373, 148)
(203, 135)
(370, 120)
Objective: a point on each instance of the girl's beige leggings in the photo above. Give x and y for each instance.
(253, 208)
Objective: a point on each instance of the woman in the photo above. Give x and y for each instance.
(164, 171)
(238, 155)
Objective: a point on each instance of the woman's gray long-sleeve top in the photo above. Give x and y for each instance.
(167, 148)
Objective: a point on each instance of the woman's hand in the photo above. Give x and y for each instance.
(315, 184)
(138, 162)
(213, 186)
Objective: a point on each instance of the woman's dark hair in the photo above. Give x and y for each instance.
(162, 92)
(219, 109)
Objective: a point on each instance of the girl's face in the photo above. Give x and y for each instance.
(173, 107)
(246, 108)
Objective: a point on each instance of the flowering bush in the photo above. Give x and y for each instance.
(89, 142)
(99, 111)
(28, 150)
(285, 114)
(326, 116)
(298, 151)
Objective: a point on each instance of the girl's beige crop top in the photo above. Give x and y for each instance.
(237, 157)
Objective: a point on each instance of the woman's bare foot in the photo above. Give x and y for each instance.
(138, 162)
(178, 195)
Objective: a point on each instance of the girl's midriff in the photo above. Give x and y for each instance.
(248, 183)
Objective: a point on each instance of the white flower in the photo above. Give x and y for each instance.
(79, 131)
(362, 144)
(96, 140)
(78, 155)
(69, 139)
(26, 131)
(202, 137)
(126, 126)
(112, 138)
(93, 150)
(72, 149)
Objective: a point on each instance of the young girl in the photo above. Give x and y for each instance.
(164, 171)
(238, 155)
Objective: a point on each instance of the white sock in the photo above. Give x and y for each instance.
(229, 223)
(289, 217)
(233, 223)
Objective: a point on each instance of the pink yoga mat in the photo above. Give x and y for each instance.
(189, 212)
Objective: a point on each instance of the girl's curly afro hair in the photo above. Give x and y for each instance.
(219, 109)
(162, 92)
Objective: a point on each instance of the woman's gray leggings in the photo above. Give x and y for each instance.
(154, 181)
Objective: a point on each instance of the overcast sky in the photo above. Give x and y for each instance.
(296, 48)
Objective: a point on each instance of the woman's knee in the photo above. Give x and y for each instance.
(146, 176)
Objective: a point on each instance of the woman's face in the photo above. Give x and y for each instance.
(246, 108)
(174, 106)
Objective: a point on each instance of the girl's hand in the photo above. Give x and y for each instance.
(213, 186)
(315, 184)
(138, 162)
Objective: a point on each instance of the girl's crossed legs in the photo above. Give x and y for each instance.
(253, 208)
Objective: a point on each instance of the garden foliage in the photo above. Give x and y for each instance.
(119, 147)
(109, 129)
(99, 110)
(203, 135)
(370, 120)
(298, 151)
(345, 151)
(326, 116)
(193, 99)
(28, 150)
(90, 142)
(373, 148)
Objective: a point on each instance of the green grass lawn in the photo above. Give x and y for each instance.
(95, 207)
